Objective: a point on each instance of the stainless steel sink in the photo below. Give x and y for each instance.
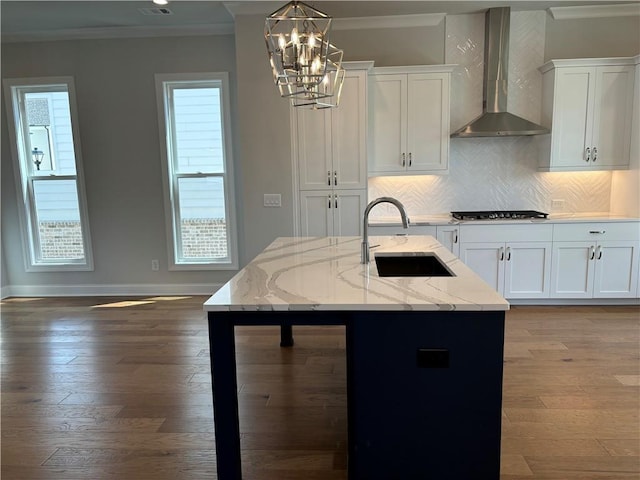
(410, 264)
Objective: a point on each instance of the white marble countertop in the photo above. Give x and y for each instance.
(446, 219)
(325, 273)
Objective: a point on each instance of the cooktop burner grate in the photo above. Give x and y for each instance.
(498, 215)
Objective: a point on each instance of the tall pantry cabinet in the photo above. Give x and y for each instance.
(329, 147)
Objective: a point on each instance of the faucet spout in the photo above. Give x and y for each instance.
(364, 250)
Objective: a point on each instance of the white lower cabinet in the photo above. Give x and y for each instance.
(515, 269)
(449, 236)
(332, 212)
(596, 260)
(514, 259)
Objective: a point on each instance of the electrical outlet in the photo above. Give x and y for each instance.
(272, 200)
(155, 265)
(557, 205)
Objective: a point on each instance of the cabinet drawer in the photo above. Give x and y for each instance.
(570, 232)
(506, 233)
(393, 230)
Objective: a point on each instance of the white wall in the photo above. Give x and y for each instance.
(121, 153)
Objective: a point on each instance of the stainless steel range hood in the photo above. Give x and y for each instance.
(495, 121)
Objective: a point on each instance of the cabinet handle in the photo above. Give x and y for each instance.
(335, 177)
(501, 253)
(404, 163)
(409, 158)
(455, 236)
(508, 254)
(597, 232)
(595, 154)
(593, 253)
(329, 177)
(588, 154)
(599, 250)
(329, 201)
(336, 200)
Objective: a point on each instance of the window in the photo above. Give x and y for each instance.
(196, 153)
(45, 144)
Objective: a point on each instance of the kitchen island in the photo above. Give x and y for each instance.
(424, 353)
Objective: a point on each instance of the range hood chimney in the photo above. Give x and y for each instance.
(495, 121)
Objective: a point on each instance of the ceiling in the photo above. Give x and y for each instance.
(22, 19)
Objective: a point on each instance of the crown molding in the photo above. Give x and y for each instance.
(118, 32)
(389, 21)
(595, 11)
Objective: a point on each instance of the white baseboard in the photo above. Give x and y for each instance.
(133, 290)
(577, 301)
(5, 292)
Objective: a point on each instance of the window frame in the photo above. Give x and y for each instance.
(164, 82)
(25, 177)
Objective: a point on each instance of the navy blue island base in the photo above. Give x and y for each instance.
(424, 390)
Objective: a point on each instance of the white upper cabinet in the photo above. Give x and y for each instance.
(588, 104)
(409, 120)
(331, 143)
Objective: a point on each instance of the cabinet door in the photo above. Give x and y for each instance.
(613, 111)
(348, 133)
(428, 122)
(527, 270)
(616, 272)
(572, 269)
(388, 123)
(487, 260)
(316, 213)
(314, 148)
(572, 113)
(348, 208)
(450, 238)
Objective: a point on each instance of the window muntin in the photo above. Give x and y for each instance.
(52, 203)
(197, 158)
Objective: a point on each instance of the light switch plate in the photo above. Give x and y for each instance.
(557, 205)
(272, 200)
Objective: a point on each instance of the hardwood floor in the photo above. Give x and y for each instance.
(113, 388)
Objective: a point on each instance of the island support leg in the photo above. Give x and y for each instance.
(225, 395)
(286, 334)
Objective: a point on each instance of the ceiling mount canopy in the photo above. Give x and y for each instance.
(306, 67)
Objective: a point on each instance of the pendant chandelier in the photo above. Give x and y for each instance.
(306, 67)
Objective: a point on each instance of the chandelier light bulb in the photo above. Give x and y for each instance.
(294, 36)
(312, 41)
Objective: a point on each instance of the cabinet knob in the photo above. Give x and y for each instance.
(455, 236)
(501, 253)
(409, 158)
(404, 163)
(587, 154)
(599, 250)
(329, 177)
(329, 200)
(508, 254)
(593, 253)
(335, 177)
(595, 154)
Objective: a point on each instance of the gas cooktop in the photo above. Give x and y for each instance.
(499, 215)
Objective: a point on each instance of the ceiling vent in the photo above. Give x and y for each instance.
(155, 11)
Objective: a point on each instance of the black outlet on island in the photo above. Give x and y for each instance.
(432, 358)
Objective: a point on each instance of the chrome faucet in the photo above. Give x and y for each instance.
(364, 257)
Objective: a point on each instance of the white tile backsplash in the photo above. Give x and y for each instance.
(495, 173)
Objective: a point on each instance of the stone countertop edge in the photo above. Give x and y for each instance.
(325, 274)
(443, 220)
